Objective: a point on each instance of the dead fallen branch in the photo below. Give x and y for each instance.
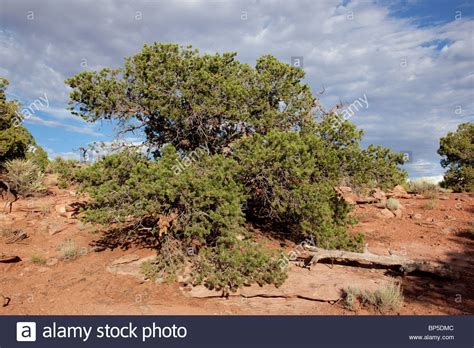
(301, 297)
(404, 265)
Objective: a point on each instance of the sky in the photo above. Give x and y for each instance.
(410, 64)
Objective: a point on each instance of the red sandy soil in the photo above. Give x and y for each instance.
(83, 286)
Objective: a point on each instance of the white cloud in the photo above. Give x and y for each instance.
(355, 48)
(55, 124)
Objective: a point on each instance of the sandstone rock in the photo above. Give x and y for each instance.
(60, 209)
(399, 192)
(323, 284)
(449, 230)
(52, 261)
(398, 213)
(443, 198)
(347, 194)
(129, 265)
(416, 216)
(378, 194)
(125, 259)
(385, 214)
(65, 210)
(54, 229)
(366, 199)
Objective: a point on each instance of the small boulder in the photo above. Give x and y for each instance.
(129, 265)
(378, 194)
(60, 208)
(347, 194)
(385, 214)
(399, 192)
(65, 210)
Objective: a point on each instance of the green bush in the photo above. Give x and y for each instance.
(38, 156)
(199, 207)
(66, 170)
(233, 264)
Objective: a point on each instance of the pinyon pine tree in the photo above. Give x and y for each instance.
(270, 161)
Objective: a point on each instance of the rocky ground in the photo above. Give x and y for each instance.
(36, 278)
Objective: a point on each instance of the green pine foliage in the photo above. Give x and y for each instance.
(15, 139)
(457, 149)
(179, 97)
(233, 263)
(290, 178)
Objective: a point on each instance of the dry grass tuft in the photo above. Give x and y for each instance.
(68, 249)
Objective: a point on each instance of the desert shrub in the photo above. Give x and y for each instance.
(68, 249)
(431, 194)
(24, 176)
(392, 204)
(199, 206)
(290, 178)
(457, 149)
(38, 260)
(388, 296)
(7, 231)
(424, 188)
(351, 297)
(65, 169)
(38, 156)
(200, 202)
